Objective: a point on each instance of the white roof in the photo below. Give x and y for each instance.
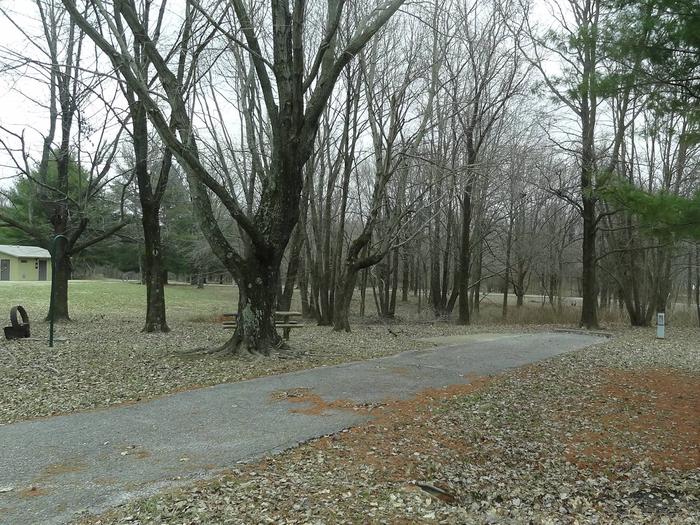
(29, 252)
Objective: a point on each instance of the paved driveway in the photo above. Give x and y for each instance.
(64, 465)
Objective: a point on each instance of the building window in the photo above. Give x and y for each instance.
(23, 261)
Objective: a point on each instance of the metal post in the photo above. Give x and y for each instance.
(52, 250)
(660, 325)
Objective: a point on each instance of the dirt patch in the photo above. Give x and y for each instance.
(62, 468)
(142, 454)
(32, 492)
(317, 406)
(649, 414)
(390, 409)
(399, 439)
(105, 481)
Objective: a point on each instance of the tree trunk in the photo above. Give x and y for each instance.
(257, 300)
(60, 285)
(285, 299)
(154, 273)
(589, 308)
(476, 279)
(343, 297)
(363, 292)
(506, 277)
(519, 286)
(663, 282)
(464, 256)
(394, 284)
(435, 251)
(405, 278)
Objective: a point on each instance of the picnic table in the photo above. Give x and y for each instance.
(283, 319)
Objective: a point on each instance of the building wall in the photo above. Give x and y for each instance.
(26, 269)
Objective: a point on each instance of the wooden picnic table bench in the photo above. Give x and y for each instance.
(285, 320)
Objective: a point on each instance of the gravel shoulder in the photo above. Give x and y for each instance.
(608, 434)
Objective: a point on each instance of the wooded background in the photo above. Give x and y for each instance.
(440, 149)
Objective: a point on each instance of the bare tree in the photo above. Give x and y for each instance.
(68, 179)
(494, 66)
(294, 97)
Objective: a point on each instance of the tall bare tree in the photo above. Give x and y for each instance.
(68, 178)
(294, 93)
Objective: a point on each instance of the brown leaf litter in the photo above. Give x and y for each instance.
(658, 413)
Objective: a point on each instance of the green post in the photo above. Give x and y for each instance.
(53, 281)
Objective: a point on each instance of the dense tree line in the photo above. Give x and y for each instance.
(445, 149)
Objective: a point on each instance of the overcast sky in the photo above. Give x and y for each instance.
(22, 98)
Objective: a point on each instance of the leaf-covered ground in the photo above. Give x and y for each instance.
(609, 434)
(105, 359)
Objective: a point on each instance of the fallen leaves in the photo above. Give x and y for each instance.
(497, 454)
(109, 361)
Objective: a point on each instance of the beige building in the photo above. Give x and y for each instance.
(24, 263)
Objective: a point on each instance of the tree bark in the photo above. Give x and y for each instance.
(343, 297)
(405, 277)
(285, 299)
(255, 333)
(589, 308)
(464, 257)
(60, 285)
(154, 272)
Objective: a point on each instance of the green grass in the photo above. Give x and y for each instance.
(127, 300)
(123, 300)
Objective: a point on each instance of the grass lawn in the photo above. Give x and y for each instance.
(117, 299)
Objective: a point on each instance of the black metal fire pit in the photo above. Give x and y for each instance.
(18, 330)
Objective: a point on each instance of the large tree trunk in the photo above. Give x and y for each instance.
(343, 297)
(154, 272)
(589, 101)
(61, 259)
(257, 302)
(150, 200)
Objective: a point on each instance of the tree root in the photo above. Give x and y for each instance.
(235, 348)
